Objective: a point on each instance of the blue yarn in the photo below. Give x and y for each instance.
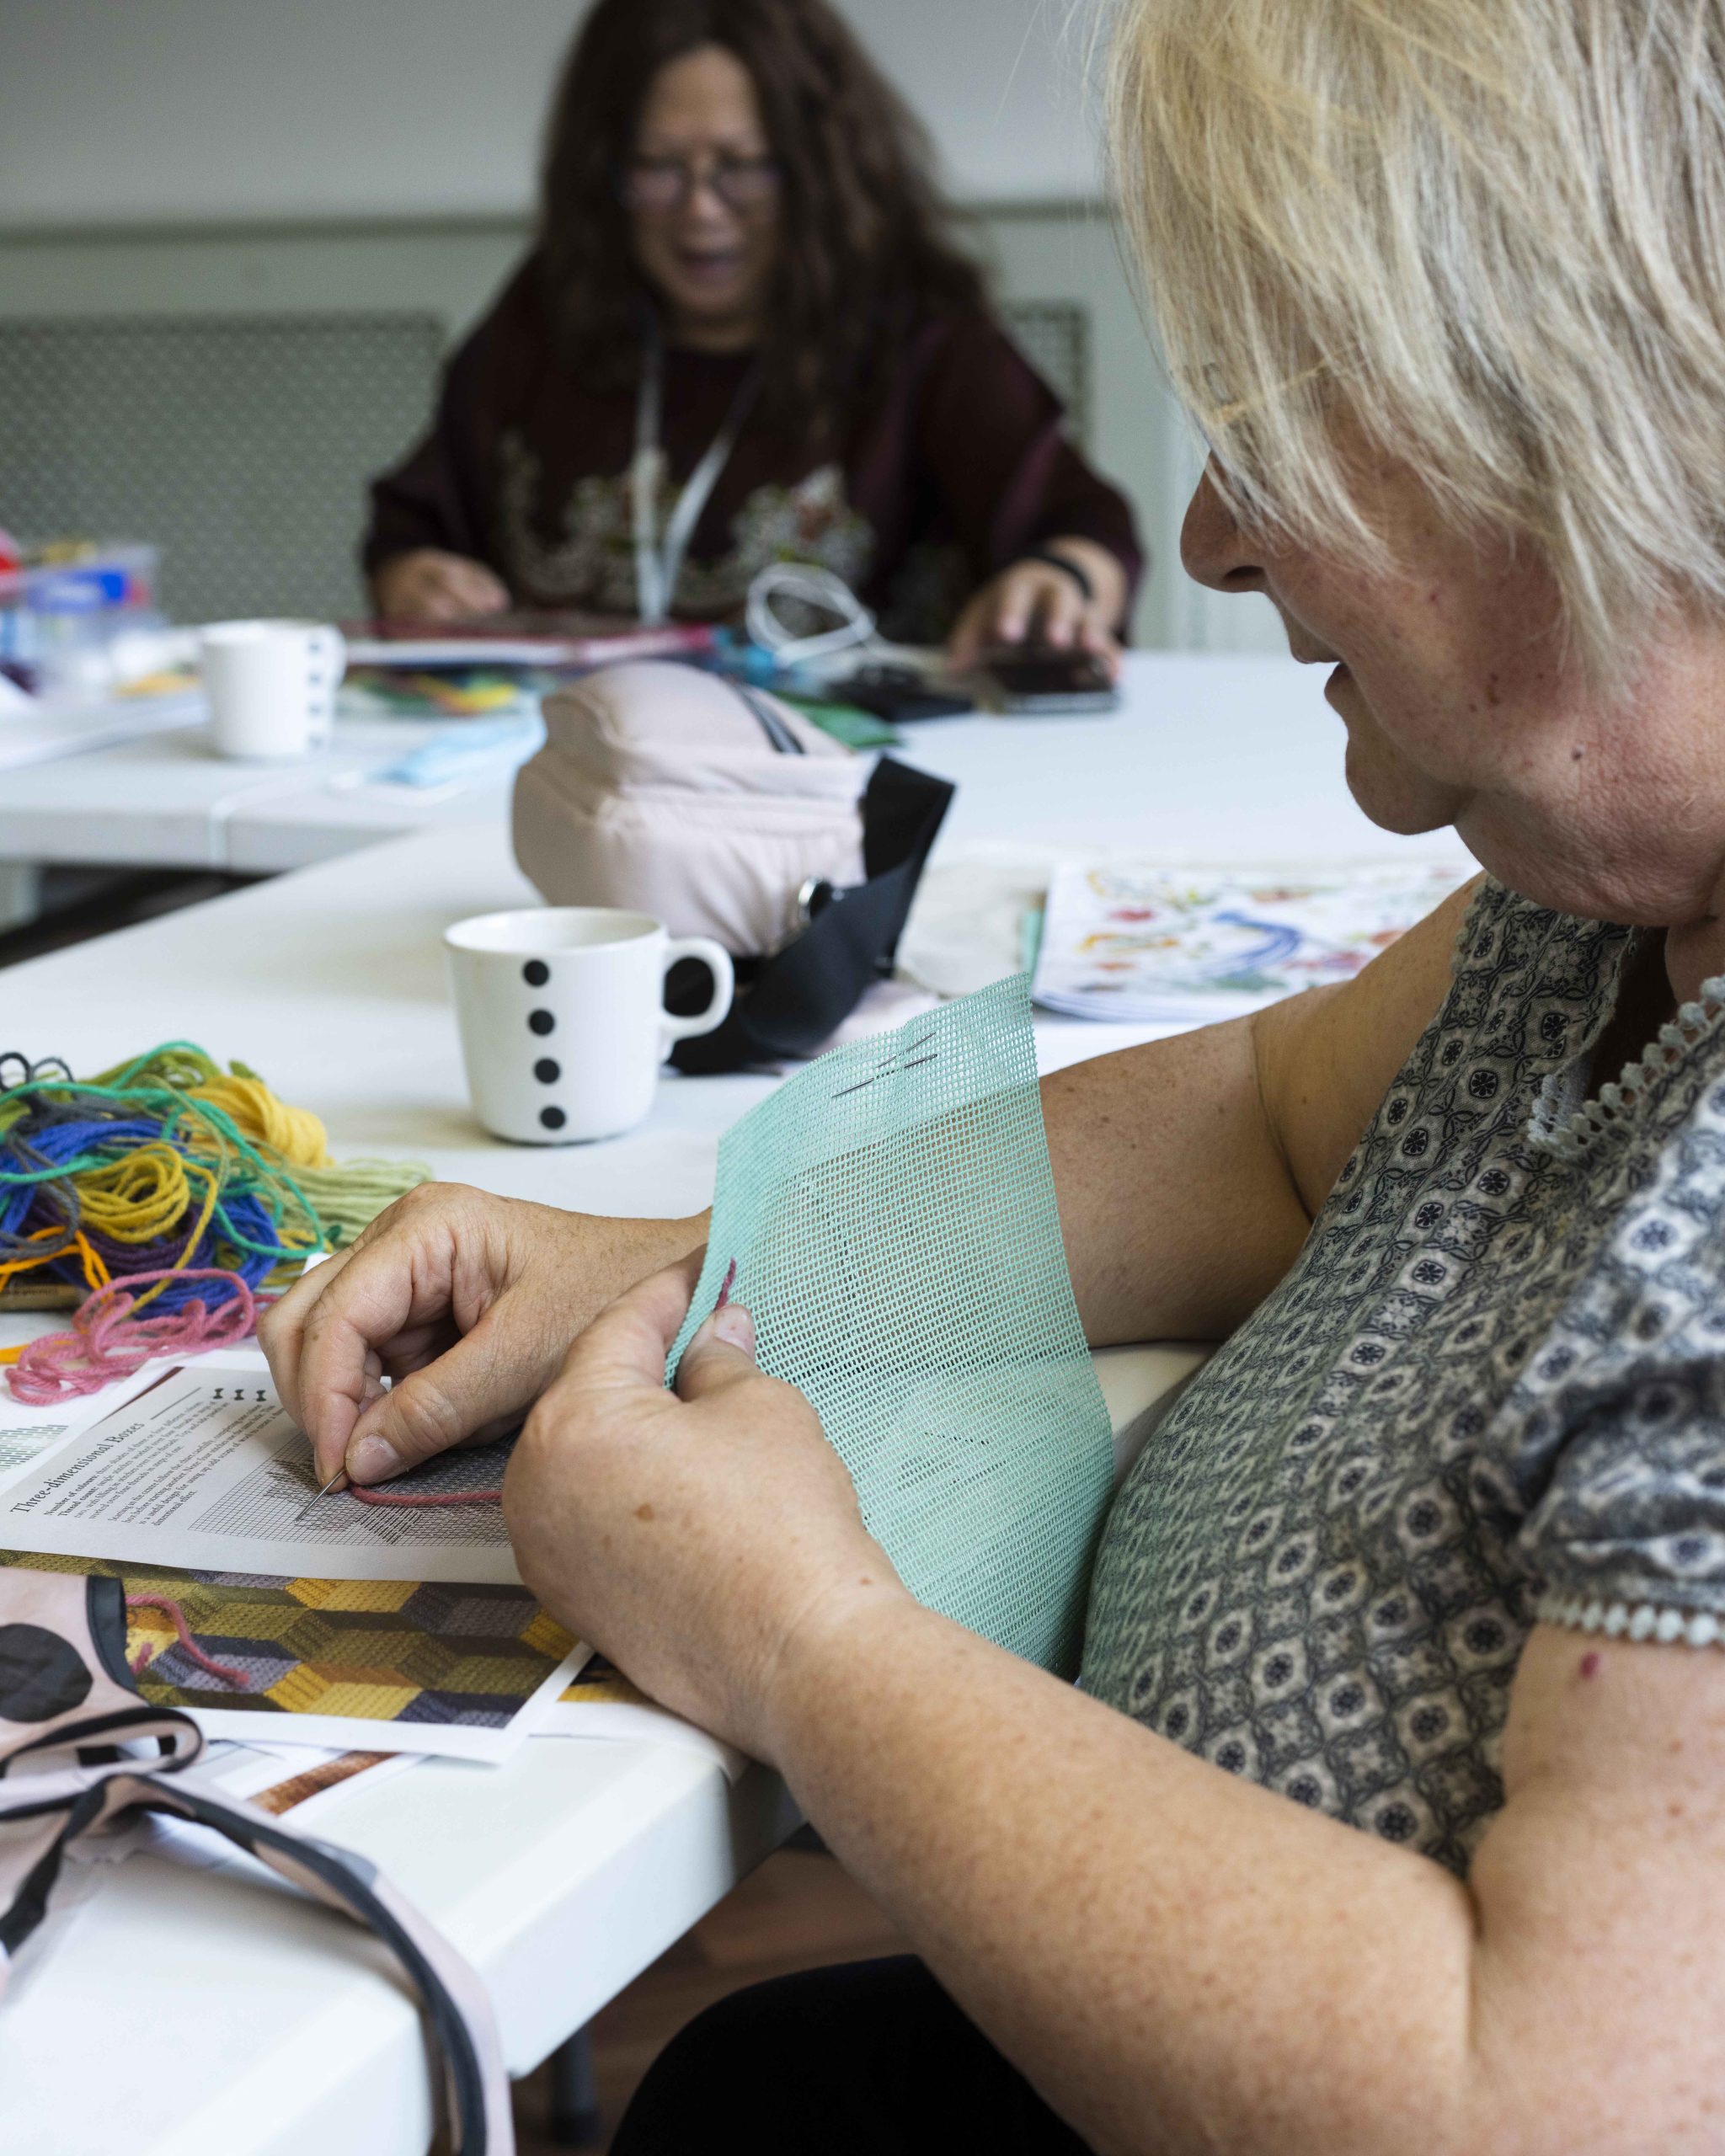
(41, 1155)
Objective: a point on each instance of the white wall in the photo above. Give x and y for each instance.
(406, 132)
(135, 111)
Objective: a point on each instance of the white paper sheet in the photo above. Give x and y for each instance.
(206, 1471)
(236, 1770)
(622, 1722)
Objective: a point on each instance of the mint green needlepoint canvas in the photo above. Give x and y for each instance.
(891, 1213)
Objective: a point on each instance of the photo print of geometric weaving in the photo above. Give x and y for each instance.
(456, 1670)
(890, 1213)
(67, 1705)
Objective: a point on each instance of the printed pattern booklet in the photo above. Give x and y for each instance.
(332, 1623)
(204, 1468)
(1190, 946)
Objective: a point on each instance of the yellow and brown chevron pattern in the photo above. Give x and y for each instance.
(377, 1650)
(599, 1684)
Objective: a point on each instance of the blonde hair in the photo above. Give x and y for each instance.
(1490, 233)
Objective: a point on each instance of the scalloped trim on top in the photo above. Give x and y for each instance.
(1641, 1620)
(1572, 1136)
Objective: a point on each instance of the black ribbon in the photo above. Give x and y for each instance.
(792, 1004)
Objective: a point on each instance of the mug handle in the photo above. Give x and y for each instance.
(718, 961)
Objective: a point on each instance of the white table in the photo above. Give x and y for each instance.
(165, 799)
(33, 731)
(185, 2015)
(1210, 755)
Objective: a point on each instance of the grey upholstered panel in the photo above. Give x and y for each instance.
(239, 443)
(1054, 336)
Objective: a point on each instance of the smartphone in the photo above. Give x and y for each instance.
(895, 693)
(1040, 682)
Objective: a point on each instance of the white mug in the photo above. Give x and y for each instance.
(271, 686)
(563, 1019)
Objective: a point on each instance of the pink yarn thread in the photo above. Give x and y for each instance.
(106, 1343)
(235, 1680)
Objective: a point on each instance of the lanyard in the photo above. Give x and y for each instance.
(659, 563)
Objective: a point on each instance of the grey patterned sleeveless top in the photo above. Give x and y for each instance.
(1490, 1391)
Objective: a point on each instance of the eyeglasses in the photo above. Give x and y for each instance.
(662, 184)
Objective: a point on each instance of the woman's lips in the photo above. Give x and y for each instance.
(709, 269)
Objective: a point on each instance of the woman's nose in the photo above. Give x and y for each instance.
(1213, 547)
(704, 202)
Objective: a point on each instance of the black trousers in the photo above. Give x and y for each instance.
(871, 2058)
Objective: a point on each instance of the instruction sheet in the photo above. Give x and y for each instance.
(204, 1470)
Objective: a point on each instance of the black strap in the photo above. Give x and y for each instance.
(1079, 575)
(799, 998)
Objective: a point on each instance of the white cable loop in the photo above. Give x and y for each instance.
(811, 587)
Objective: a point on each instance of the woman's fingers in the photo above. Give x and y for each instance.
(1060, 610)
(472, 586)
(433, 599)
(1030, 602)
(321, 1374)
(1016, 604)
(469, 1303)
(721, 1354)
(626, 1346)
(1101, 645)
(429, 584)
(281, 1329)
(469, 1393)
(327, 1340)
(999, 614)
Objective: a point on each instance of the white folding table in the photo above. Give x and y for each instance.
(210, 2014)
(1210, 754)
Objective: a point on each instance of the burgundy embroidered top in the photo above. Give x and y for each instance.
(960, 468)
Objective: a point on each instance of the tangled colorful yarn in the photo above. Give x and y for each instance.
(166, 1184)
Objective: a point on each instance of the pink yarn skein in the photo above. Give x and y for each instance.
(106, 1343)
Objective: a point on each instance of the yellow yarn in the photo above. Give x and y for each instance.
(137, 1198)
(295, 1134)
(226, 1131)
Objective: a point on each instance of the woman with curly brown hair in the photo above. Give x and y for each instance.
(744, 337)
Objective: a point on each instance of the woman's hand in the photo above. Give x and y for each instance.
(430, 585)
(467, 1302)
(697, 1537)
(1035, 602)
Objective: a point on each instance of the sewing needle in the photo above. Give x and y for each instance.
(339, 1475)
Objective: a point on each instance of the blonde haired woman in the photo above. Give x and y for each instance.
(1391, 1814)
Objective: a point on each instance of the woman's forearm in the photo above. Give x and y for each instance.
(1188, 1171)
(1177, 1210)
(1178, 1960)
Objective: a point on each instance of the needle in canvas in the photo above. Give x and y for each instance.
(339, 1475)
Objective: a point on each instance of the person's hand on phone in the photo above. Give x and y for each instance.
(428, 584)
(1034, 602)
(468, 1303)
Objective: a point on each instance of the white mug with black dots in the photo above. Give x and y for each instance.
(563, 1019)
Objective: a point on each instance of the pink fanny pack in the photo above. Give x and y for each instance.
(67, 1696)
(670, 792)
(722, 812)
